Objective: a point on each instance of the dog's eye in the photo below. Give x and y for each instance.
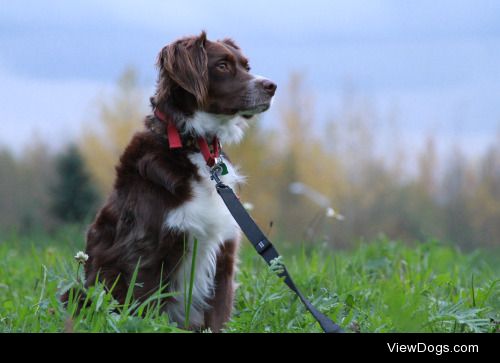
(223, 66)
(247, 67)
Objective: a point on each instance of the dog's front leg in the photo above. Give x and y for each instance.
(222, 302)
(157, 170)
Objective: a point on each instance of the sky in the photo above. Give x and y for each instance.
(435, 64)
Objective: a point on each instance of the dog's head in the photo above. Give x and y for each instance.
(197, 74)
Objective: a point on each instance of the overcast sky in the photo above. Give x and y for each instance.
(436, 62)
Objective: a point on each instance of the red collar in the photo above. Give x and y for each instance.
(174, 138)
(210, 158)
(175, 142)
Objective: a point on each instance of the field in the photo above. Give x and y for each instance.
(380, 286)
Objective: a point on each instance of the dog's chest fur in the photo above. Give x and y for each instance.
(206, 219)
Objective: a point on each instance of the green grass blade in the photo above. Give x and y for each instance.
(191, 283)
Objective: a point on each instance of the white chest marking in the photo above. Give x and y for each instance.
(205, 218)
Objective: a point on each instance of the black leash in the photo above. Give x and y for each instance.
(263, 246)
(246, 223)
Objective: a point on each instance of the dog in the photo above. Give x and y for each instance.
(163, 199)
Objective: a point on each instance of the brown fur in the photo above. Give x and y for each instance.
(152, 179)
(184, 64)
(222, 301)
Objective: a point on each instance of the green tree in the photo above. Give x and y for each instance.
(74, 196)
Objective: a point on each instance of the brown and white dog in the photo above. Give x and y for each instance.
(163, 198)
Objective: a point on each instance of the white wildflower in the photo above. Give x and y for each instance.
(248, 206)
(330, 213)
(81, 257)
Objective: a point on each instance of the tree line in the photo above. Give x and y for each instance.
(447, 196)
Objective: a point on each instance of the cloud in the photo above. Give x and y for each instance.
(53, 110)
(63, 52)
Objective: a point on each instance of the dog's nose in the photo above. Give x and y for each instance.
(269, 86)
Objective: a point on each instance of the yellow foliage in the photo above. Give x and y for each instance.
(118, 120)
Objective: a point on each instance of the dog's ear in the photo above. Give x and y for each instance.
(186, 63)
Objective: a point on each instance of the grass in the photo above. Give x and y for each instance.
(381, 286)
(189, 289)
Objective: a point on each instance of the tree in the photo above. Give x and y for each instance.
(24, 181)
(456, 193)
(119, 118)
(73, 195)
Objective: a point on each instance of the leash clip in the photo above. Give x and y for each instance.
(219, 169)
(215, 174)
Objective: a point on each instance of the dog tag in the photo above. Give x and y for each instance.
(220, 168)
(223, 167)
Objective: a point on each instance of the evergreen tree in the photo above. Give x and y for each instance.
(74, 196)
